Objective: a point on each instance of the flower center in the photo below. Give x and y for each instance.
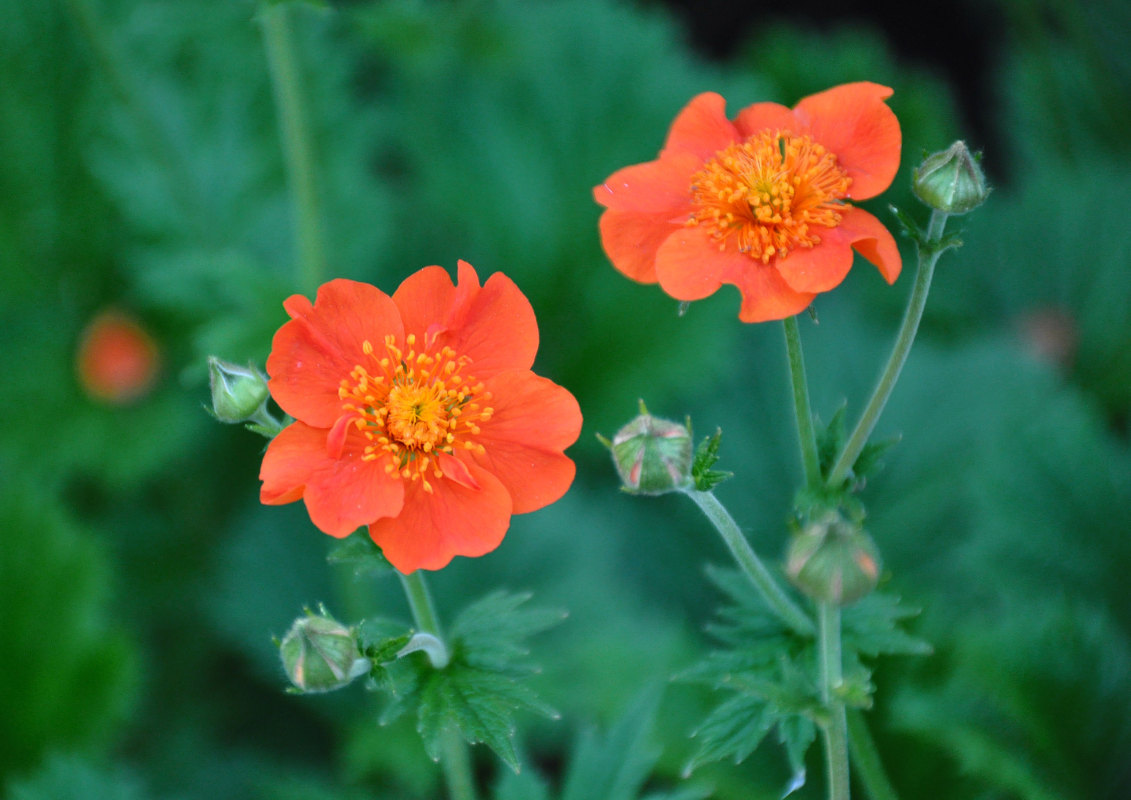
(413, 406)
(772, 193)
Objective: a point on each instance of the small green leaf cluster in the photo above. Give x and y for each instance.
(768, 672)
(830, 442)
(706, 456)
(483, 686)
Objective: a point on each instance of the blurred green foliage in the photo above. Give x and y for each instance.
(141, 580)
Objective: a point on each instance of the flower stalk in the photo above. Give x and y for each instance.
(455, 758)
(929, 253)
(789, 612)
(297, 145)
(835, 729)
(810, 460)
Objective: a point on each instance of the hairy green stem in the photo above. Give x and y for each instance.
(928, 256)
(298, 149)
(835, 729)
(789, 612)
(866, 759)
(810, 459)
(455, 758)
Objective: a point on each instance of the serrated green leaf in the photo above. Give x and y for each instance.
(871, 627)
(491, 632)
(796, 734)
(734, 729)
(480, 704)
(830, 438)
(482, 688)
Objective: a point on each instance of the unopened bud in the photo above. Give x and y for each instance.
(951, 180)
(833, 560)
(238, 393)
(321, 654)
(652, 455)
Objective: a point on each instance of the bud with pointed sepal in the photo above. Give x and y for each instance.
(951, 181)
(652, 455)
(321, 654)
(833, 560)
(238, 393)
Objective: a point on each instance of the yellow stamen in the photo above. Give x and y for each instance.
(412, 406)
(772, 193)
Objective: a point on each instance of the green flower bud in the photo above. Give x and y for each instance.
(238, 393)
(320, 654)
(652, 455)
(833, 560)
(951, 180)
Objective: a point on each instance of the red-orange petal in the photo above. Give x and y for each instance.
(764, 116)
(452, 520)
(534, 420)
(855, 123)
(871, 239)
(493, 325)
(631, 240)
(425, 298)
(818, 268)
(765, 296)
(701, 128)
(690, 265)
(662, 186)
(500, 331)
(340, 494)
(311, 354)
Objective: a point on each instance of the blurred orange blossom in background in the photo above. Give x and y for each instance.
(117, 361)
(417, 415)
(761, 202)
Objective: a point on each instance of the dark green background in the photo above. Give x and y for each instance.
(141, 581)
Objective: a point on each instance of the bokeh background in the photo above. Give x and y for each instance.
(141, 172)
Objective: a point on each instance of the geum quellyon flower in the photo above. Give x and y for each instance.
(417, 415)
(761, 202)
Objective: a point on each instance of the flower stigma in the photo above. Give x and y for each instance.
(770, 192)
(412, 407)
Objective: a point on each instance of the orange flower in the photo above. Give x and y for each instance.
(417, 415)
(760, 202)
(117, 360)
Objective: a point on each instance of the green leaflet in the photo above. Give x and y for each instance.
(483, 687)
(768, 673)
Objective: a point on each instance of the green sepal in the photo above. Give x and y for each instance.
(381, 640)
(706, 456)
(908, 226)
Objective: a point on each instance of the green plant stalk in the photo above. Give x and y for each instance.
(835, 729)
(302, 175)
(866, 759)
(928, 257)
(789, 612)
(455, 758)
(810, 460)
